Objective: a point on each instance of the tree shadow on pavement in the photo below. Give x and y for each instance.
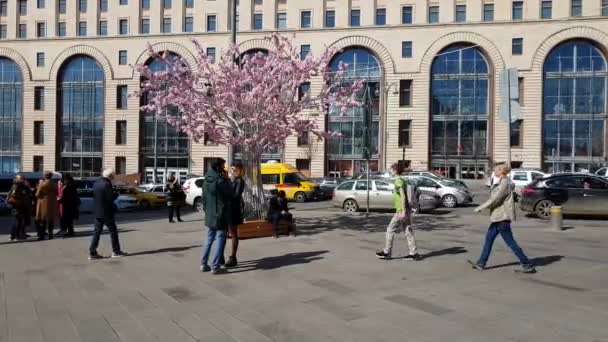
(77, 234)
(165, 250)
(447, 251)
(536, 262)
(271, 263)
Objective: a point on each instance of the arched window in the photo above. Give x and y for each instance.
(81, 116)
(11, 108)
(574, 107)
(460, 84)
(165, 150)
(346, 153)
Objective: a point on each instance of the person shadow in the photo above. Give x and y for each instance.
(536, 262)
(271, 263)
(446, 251)
(165, 250)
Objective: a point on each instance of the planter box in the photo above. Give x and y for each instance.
(260, 228)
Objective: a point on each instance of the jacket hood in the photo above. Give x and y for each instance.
(211, 176)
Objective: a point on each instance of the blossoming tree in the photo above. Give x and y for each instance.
(252, 101)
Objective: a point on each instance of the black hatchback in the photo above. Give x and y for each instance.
(577, 194)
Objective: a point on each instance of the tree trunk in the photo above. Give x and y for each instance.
(255, 202)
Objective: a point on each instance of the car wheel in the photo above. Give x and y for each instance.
(449, 201)
(198, 205)
(543, 209)
(144, 204)
(350, 205)
(300, 197)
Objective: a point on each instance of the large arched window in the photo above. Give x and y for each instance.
(81, 116)
(165, 150)
(574, 107)
(11, 105)
(346, 153)
(460, 84)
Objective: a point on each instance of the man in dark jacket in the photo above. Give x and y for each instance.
(20, 198)
(217, 194)
(279, 210)
(103, 197)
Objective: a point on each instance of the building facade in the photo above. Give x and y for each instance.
(431, 70)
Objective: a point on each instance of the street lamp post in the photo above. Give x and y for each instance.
(233, 37)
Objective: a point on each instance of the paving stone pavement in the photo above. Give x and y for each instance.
(323, 285)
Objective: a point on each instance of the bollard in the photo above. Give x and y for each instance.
(557, 218)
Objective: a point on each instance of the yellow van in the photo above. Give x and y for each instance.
(287, 178)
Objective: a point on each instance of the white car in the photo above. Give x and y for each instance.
(451, 194)
(122, 202)
(520, 177)
(603, 172)
(193, 188)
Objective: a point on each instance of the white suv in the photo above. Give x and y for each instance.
(193, 188)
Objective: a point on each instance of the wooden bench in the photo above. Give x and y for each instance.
(260, 228)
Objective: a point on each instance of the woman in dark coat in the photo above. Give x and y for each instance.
(20, 198)
(68, 205)
(236, 210)
(175, 198)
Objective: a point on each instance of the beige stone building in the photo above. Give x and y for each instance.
(432, 68)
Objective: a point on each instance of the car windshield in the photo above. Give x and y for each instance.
(302, 178)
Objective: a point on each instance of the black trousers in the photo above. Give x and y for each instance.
(111, 224)
(67, 224)
(172, 209)
(18, 229)
(42, 226)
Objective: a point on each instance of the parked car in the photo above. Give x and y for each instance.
(121, 203)
(603, 172)
(520, 177)
(568, 191)
(5, 208)
(436, 176)
(150, 187)
(451, 193)
(374, 174)
(326, 187)
(144, 199)
(193, 188)
(352, 195)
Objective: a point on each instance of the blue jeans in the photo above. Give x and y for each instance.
(111, 224)
(504, 229)
(212, 235)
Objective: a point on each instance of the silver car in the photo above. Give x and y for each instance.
(452, 194)
(352, 195)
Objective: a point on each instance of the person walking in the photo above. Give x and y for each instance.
(19, 197)
(217, 194)
(175, 198)
(278, 210)
(502, 212)
(46, 207)
(104, 211)
(236, 210)
(68, 205)
(402, 220)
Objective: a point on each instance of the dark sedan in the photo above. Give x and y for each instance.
(577, 194)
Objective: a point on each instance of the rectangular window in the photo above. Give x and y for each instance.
(605, 8)
(145, 4)
(303, 164)
(281, 20)
(3, 32)
(103, 28)
(303, 139)
(517, 46)
(40, 59)
(121, 132)
(121, 165)
(380, 16)
(41, 30)
(82, 6)
(488, 12)
(433, 14)
(407, 14)
(40, 4)
(188, 24)
(304, 51)
(516, 136)
(145, 26)
(355, 18)
(166, 25)
(38, 98)
(520, 84)
(406, 49)
(546, 10)
(122, 95)
(576, 8)
(189, 3)
(211, 23)
(258, 21)
(305, 19)
(22, 31)
(38, 132)
(103, 6)
(122, 57)
(461, 13)
(405, 93)
(211, 54)
(82, 28)
(330, 18)
(303, 90)
(61, 29)
(166, 4)
(124, 2)
(22, 7)
(38, 163)
(3, 8)
(517, 12)
(405, 133)
(123, 27)
(61, 6)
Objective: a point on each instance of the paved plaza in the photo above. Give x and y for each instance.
(323, 285)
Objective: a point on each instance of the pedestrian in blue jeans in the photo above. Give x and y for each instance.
(502, 207)
(217, 194)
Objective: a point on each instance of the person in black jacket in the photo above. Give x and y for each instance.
(68, 205)
(277, 211)
(103, 197)
(20, 198)
(175, 197)
(236, 210)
